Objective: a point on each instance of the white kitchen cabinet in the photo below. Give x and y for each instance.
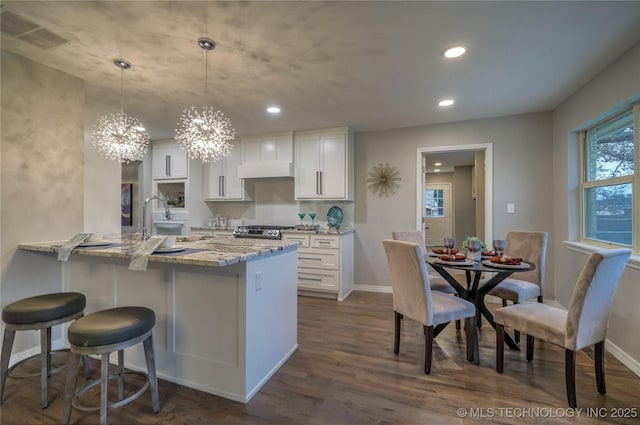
(169, 161)
(325, 264)
(324, 164)
(221, 181)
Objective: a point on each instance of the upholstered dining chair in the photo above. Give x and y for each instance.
(531, 246)
(584, 324)
(436, 282)
(413, 298)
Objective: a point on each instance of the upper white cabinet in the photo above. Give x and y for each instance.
(221, 181)
(324, 164)
(169, 161)
(267, 156)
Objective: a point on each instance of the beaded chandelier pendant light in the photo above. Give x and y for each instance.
(120, 137)
(205, 134)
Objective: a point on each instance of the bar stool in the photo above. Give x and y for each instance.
(102, 333)
(38, 313)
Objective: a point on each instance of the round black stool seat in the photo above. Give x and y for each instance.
(43, 308)
(111, 326)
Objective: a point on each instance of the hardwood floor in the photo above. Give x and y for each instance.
(345, 372)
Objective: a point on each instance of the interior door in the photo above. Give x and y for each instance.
(437, 213)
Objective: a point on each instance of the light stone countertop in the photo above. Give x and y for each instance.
(215, 252)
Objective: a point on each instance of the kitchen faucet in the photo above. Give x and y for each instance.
(167, 214)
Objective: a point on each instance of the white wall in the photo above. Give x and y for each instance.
(522, 150)
(618, 85)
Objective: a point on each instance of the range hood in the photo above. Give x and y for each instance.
(264, 169)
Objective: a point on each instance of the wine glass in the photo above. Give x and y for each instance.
(313, 218)
(301, 215)
(449, 243)
(499, 245)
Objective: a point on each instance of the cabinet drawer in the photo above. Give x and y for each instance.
(319, 241)
(318, 279)
(303, 239)
(319, 258)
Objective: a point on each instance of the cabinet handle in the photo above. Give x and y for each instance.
(324, 242)
(317, 182)
(308, 278)
(219, 185)
(223, 186)
(167, 165)
(309, 258)
(320, 182)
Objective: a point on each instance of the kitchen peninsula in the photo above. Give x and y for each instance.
(226, 309)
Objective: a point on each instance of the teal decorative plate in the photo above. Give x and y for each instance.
(334, 216)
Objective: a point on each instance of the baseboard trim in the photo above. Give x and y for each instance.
(623, 357)
(373, 288)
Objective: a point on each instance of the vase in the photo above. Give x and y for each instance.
(473, 255)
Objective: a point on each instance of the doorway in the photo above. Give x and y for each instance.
(481, 190)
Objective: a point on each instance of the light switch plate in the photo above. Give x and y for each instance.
(511, 208)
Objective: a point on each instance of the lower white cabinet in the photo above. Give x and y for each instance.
(325, 264)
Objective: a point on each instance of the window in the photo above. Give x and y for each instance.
(611, 180)
(434, 203)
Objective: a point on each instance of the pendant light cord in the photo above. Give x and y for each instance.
(206, 77)
(121, 89)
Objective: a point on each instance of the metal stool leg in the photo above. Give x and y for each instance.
(104, 388)
(120, 374)
(45, 361)
(151, 370)
(70, 388)
(7, 345)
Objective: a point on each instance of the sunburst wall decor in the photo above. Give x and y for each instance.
(384, 179)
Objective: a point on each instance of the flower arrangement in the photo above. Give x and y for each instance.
(465, 243)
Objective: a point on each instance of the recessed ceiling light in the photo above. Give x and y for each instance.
(454, 52)
(273, 110)
(446, 102)
(437, 170)
(437, 164)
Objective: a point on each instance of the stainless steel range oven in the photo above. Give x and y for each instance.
(260, 232)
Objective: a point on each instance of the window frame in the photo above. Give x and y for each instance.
(633, 179)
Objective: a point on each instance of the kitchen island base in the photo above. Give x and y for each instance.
(222, 330)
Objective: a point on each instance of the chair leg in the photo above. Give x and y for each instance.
(428, 348)
(499, 348)
(599, 360)
(396, 342)
(472, 340)
(104, 388)
(570, 376)
(7, 345)
(151, 370)
(70, 388)
(504, 302)
(516, 333)
(45, 361)
(457, 325)
(529, 348)
(478, 318)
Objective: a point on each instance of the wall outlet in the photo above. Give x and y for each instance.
(511, 208)
(258, 281)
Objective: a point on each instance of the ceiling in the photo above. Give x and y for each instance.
(370, 65)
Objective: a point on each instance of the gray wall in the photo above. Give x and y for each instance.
(42, 178)
(618, 85)
(522, 148)
(465, 205)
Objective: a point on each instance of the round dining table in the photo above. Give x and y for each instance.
(473, 291)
